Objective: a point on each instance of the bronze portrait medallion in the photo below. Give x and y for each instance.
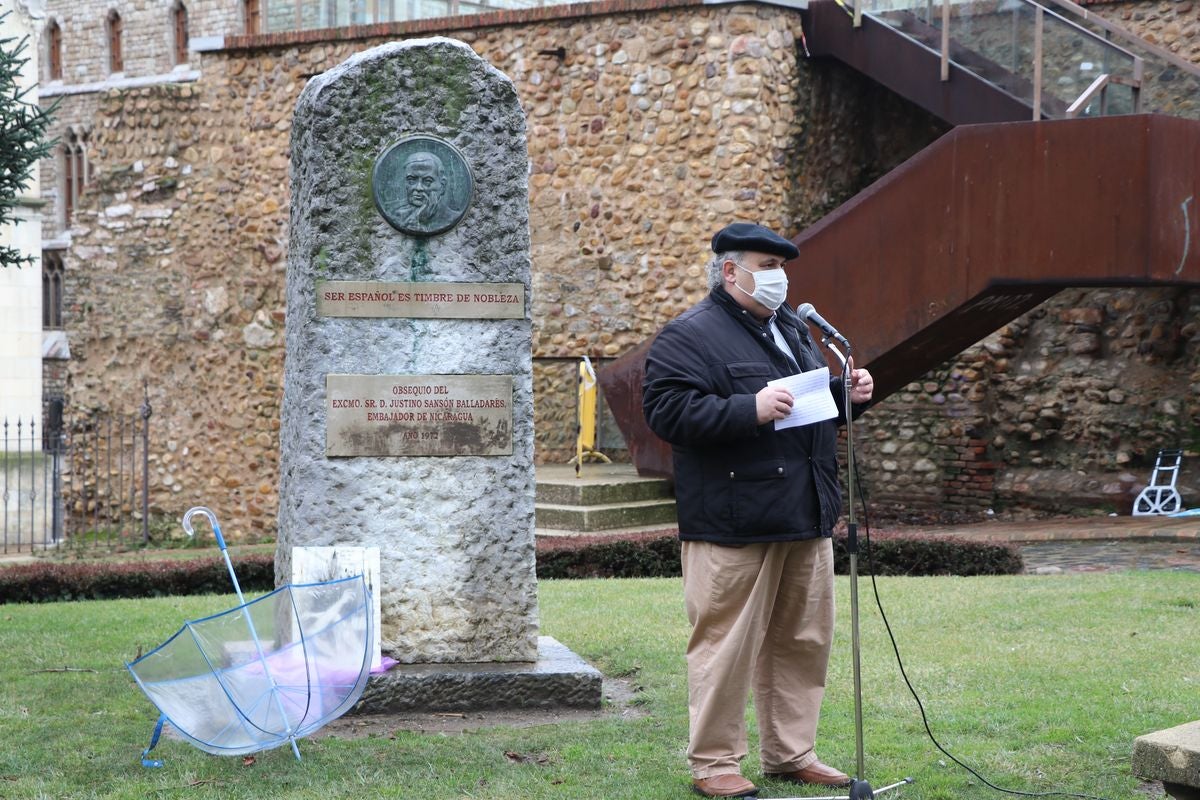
(422, 185)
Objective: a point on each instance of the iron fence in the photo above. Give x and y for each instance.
(32, 487)
(86, 483)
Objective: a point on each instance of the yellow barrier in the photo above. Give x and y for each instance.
(585, 426)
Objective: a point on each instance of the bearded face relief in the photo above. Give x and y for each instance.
(425, 184)
(422, 186)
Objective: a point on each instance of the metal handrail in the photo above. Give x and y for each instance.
(1128, 35)
(1098, 86)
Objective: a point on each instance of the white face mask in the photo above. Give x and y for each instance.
(770, 286)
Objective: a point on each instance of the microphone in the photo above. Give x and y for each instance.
(807, 313)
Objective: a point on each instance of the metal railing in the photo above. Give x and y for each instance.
(1055, 65)
(87, 484)
(1170, 84)
(31, 487)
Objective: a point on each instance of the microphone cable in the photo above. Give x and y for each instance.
(904, 674)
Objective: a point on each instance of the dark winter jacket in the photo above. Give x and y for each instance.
(736, 481)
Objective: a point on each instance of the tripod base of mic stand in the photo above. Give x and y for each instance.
(859, 790)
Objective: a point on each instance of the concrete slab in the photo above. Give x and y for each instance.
(1173, 757)
(558, 679)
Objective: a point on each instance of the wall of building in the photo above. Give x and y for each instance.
(148, 41)
(650, 125)
(148, 53)
(652, 130)
(21, 287)
(1062, 411)
(1171, 24)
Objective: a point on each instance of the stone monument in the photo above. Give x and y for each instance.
(407, 420)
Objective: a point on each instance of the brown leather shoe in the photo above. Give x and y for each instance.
(817, 773)
(728, 784)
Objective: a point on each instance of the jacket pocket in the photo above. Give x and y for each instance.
(748, 376)
(759, 500)
(829, 490)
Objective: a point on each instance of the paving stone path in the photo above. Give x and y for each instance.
(1104, 556)
(1093, 544)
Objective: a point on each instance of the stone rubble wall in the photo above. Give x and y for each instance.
(1063, 409)
(653, 130)
(1170, 24)
(176, 279)
(650, 131)
(1175, 27)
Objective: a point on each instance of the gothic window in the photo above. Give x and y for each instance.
(179, 25)
(54, 51)
(52, 289)
(115, 27)
(74, 171)
(251, 16)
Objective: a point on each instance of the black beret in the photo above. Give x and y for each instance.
(746, 236)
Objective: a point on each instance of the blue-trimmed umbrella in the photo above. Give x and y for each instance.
(264, 673)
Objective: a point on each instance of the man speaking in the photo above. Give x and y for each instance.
(756, 509)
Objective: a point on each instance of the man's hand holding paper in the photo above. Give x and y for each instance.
(811, 400)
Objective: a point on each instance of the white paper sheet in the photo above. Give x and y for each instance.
(811, 398)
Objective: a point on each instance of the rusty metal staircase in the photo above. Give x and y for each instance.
(991, 219)
(1023, 210)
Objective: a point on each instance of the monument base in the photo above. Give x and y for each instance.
(558, 679)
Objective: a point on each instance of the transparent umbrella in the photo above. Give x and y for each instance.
(264, 673)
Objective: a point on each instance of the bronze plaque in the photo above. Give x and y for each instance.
(422, 185)
(418, 415)
(423, 300)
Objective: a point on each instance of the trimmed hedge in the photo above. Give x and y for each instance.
(639, 556)
(924, 554)
(48, 581)
(649, 555)
(657, 555)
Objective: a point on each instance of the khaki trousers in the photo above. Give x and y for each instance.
(762, 617)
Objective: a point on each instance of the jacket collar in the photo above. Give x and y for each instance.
(794, 332)
(784, 315)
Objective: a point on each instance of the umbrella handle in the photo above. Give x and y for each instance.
(212, 521)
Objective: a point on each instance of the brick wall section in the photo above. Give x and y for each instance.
(148, 51)
(78, 111)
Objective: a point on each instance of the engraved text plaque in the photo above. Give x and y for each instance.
(421, 300)
(418, 415)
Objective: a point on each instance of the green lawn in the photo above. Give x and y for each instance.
(1041, 683)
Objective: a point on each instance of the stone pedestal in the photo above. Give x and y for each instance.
(558, 679)
(407, 409)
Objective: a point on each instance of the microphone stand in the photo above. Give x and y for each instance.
(860, 789)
